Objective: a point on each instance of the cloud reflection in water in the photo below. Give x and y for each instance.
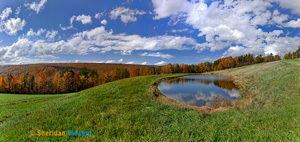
(199, 90)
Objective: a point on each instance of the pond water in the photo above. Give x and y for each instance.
(200, 90)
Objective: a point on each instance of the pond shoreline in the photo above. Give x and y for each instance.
(158, 96)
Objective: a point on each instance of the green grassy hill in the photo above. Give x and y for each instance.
(123, 111)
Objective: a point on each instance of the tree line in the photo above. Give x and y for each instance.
(293, 55)
(69, 80)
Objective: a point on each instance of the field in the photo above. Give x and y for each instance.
(123, 111)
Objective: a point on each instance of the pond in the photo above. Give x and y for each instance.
(200, 90)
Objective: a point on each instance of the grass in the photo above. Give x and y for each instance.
(123, 111)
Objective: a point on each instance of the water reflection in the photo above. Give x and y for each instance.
(200, 90)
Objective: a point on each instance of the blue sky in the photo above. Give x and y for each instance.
(145, 31)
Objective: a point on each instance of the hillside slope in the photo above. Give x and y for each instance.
(122, 111)
(18, 69)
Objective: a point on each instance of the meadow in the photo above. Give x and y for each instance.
(125, 110)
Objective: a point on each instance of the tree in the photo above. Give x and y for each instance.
(12, 85)
(41, 83)
(231, 62)
(216, 63)
(237, 62)
(201, 67)
(67, 82)
(267, 59)
(133, 73)
(21, 84)
(170, 68)
(2, 84)
(76, 81)
(288, 56)
(125, 73)
(257, 59)
(83, 71)
(158, 70)
(56, 83)
(82, 84)
(220, 67)
(90, 82)
(185, 69)
(138, 71)
(277, 57)
(108, 78)
(206, 69)
(7, 82)
(31, 84)
(225, 63)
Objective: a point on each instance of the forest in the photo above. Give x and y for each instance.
(66, 78)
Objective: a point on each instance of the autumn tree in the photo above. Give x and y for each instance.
(185, 69)
(201, 67)
(2, 84)
(67, 82)
(57, 83)
(132, 73)
(108, 77)
(76, 82)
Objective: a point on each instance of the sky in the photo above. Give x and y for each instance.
(147, 32)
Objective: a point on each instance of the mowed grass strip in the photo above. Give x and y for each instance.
(123, 111)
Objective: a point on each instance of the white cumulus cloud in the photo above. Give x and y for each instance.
(294, 5)
(48, 34)
(278, 18)
(13, 25)
(32, 33)
(95, 40)
(238, 50)
(5, 13)
(126, 15)
(130, 62)
(99, 15)
(84, 19)
(293, 24)
(179, 30)
(160, 63)
(228, 23)
(157, 54)
(51, 34)
(36, 6)
(110, 61)
(166, 8)
(104, 22)
(18, 11)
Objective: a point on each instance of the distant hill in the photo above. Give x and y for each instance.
(19, 69)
